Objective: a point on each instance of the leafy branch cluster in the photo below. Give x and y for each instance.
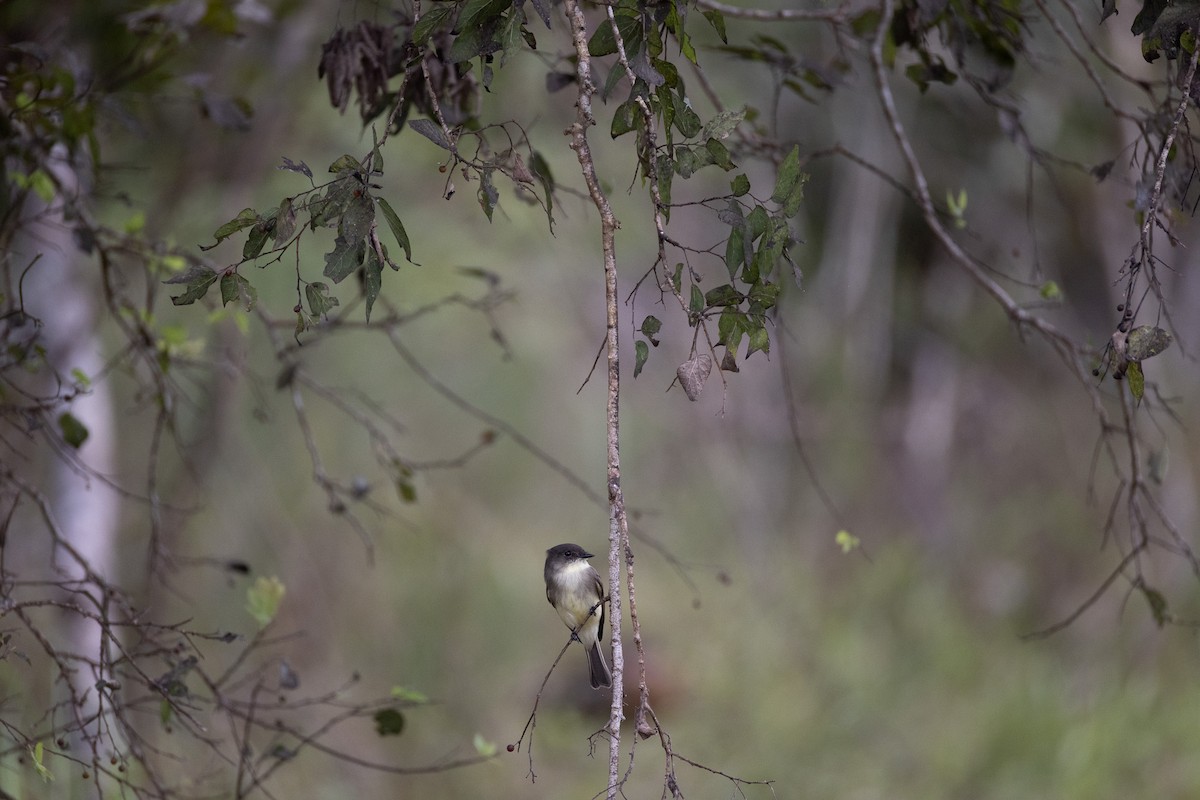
(346, 203)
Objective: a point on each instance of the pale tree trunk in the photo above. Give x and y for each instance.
(61, 290)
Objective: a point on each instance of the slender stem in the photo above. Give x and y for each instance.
(608, 227)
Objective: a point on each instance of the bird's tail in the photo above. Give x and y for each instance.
(598, 667)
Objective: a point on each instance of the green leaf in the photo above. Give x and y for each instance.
(346, 164)
(344, 258)
(285, 222)
(686, 161)
(865, 24)
(246, 218)
(541, 168)
(1145, 19)
(470, 43)
(327, 211)
(668, 71)
(718, 22)
(603, 43)
(512, 33)
(403, 693)
(763, 296)
(730, 328)
(136, 223)
(641, 352)
(1158, 605)
(1146, 341)
(320, 302)
(393, 221)
(488, 196)
(720, 154)
(788, 176)
(431, 131)
(484, 747)
(389, 722)
(723, 124)
(197, 279)
(791, 206)
(935, 71)
(957, 206)
(477, 12)
(430, 21)
(697, 301)
(38, 752)
(759, 340)
(724, 295)
(740, 185)
(43, 186)
(73, 431)
(847, 541)
(666, 176)
(263, 599)
(164, 711)
(770, 249)
(1137, 381)
(735, 251)
(357, 219)
(687, 121)
(665, 106)
(756, 222)
(675, 25)
(624, 118)
(650, 328)
(372, 278)
(229, 288)
(257, 239)
(1050, 291)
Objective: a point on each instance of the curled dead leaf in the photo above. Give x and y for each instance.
(693, 373)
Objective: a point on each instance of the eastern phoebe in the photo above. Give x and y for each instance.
(575, 590)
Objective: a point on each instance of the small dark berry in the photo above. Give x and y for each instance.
(511, 748)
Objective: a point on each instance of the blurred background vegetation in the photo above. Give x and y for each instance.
(959, 454)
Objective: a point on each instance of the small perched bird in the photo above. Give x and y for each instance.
(575, 590)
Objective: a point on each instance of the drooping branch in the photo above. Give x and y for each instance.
(838, 14)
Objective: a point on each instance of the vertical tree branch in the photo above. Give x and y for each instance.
(608, 227)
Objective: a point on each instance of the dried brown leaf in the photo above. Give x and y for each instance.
(693, 373)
